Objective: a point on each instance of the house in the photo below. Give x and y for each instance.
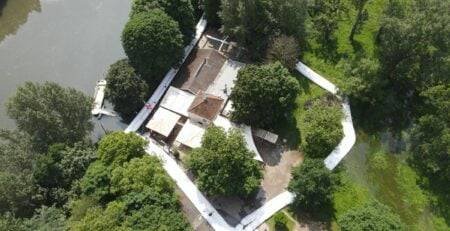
(205, 108)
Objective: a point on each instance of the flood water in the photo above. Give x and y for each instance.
(71, 42)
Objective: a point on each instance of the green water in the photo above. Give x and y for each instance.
(383, 174)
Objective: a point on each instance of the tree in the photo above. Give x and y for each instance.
(125, 89)
(252, 23)
(284, 49)
(313, 185)
(156, 218)
(153, 43)
(249, 22)
(322, 129)
(50, 113)
(361, 16)
(413, 50)
(18, 193)
(371, 216)
(47, 218)
(119, 147)
(179, 10)
(262, 95)
(325, 15)
(212, 10)
(430, 136)
(96, 182)
(224, 165)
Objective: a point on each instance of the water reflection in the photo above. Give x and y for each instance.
(71, 42)
(14, 13)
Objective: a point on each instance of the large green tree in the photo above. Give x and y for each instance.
(50, 113)
(224, 165)
(313, 185)
(125, 89)
(180, 10)
(252, 23)
(263, 95)
(153, 43)
(371, 216)
(322, 129)
(430, 136)
(325, 15)
(119, 147)
(18, 193)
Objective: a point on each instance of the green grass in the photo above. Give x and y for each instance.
(290, 224)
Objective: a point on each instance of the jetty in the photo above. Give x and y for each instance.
(99, 96)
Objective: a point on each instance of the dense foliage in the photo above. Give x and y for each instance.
(430, 137)
(251, 23)
(50, 113)
(313, 185)
(224, 165)
(153, 43)
(322, 129)
(125, 89)
(325, 15)
(124, 190)
(284, 49)
(212, 10)
(179, 10)
(263, 95)
(413, 53)
(371, 216)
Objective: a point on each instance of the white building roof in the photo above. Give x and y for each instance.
(224, 82)
(246, 130)
(163, 121)
(191, 134)
(177, 101)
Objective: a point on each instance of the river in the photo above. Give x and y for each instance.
(71, 42)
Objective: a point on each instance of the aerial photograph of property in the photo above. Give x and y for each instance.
(225, 115)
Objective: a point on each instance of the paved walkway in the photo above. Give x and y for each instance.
(165, 83)
(349, 138)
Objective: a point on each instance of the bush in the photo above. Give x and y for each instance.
(284, 49)
(322, 129)
(280, 222)
(153, 43)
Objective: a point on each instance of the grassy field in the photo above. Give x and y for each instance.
(371, 172)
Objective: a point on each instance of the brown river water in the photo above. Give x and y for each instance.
(71, 42)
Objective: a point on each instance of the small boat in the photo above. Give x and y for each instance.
(99, 96)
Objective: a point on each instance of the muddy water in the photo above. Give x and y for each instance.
(71, 42)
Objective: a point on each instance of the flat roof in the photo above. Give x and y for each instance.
(224, 82)
(177, 100)
(163, 121)
(191, 134)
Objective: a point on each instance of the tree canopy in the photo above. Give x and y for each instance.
(179, 10)
(251, 23)
(262, 95)
(50, 113)
(313, 185)
(371, 216)
(119, 147)
(224, 165)
(125, 89)
(322, 129)
(153, 43)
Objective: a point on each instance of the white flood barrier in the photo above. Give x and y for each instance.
(349, 138)
(165, 83)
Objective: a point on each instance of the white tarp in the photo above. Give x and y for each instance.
(191, 134)
(224, 82)
(163, 121)
(177, 100)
